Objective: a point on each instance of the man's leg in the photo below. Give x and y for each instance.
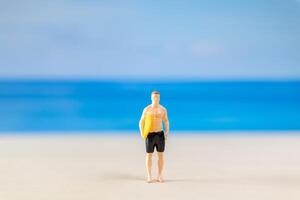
(148, 166)
(160, 163)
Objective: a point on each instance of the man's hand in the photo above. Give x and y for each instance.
(166, 122)
(166, 135)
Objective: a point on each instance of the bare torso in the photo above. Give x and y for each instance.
(157, 114)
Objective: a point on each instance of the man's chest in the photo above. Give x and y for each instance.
(155, 112)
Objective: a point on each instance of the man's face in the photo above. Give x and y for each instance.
(155, 98)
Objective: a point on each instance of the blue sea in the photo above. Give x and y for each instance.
(57, 105)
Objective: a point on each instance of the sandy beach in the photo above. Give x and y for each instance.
(197, 166)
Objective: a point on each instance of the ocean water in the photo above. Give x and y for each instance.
(117, 105)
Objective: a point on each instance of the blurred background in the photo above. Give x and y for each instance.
(86, 65)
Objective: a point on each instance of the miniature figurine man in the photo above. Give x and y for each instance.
(151, 130)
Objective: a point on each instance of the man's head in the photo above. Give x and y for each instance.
(155, 97)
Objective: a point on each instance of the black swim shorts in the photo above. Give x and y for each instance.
(155, 139)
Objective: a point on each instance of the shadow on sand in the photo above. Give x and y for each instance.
(274, 180)
(238, 180)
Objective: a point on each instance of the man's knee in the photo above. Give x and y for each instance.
(160, 155)
(149, 155)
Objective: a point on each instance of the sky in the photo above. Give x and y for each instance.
(94, 39)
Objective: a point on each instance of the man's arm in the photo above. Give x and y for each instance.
(142, 120)
(166, 122)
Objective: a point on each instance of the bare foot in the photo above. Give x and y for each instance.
(160, 179)
(149, 180)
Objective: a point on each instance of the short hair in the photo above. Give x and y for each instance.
(155, 92)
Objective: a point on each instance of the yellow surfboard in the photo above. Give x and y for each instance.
(147, 126)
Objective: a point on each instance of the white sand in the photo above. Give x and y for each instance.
(203, 166)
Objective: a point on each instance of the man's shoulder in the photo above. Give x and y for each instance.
(160, 106)
(146, 108)
(163, 108)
